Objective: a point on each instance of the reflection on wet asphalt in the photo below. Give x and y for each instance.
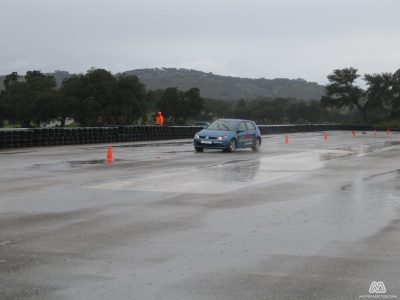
(153, 144)
(313, 219)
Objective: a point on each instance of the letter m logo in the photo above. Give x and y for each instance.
(377, 287)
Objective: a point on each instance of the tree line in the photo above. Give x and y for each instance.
(379, 101)
(99, 98)
(345, 101)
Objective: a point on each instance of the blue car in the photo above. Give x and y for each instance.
(228, 135)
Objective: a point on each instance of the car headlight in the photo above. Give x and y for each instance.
(220, 138)
(196, 136)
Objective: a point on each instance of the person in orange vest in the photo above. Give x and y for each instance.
(159, 118)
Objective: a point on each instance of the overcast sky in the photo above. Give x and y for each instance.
(248, 38)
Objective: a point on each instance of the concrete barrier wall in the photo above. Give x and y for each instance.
(15, 138)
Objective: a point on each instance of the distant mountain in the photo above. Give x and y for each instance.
(217, 86)
(227, 87)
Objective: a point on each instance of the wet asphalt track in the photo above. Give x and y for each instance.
(313, 219)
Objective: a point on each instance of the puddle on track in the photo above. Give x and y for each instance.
(228, 176)
(369, 148)
(67, 165)
(153, 145)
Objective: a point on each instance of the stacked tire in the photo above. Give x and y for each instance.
(15, 138)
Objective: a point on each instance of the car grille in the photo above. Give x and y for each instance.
(210, 137)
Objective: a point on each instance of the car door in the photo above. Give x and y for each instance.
(241, 135)
(251, 134)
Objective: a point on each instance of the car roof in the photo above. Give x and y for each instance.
(236, 120)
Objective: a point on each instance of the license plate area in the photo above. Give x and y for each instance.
(206, 142)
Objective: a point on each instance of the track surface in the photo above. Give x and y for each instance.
(313, 219)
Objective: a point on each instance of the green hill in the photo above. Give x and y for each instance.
(227, 87)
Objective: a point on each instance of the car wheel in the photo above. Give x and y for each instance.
(232, 145)
(257, 145)
(198, 149)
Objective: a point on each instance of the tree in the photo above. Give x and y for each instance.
(269, 111)
(342, 92)
(192, 102)
(128, 104)
(2, 110)
(101, 86)
(214, 109)
(170, 103)
(39, 82)
(384, 94)
(241, 110)
(180, 105)
(4, 98)
(312, 112)
(395, 95)
(66, 106)
(293, 112)
(10, 79)
(379, 93)
(74, 95)
(42, 90)
(99, 98)
(29, 101)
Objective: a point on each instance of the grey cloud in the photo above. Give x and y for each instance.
(256, 38)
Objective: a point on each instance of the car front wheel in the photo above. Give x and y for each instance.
(198, 149)
(232, 145)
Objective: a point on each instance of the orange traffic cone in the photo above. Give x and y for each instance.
(286, 139)
(109, 154)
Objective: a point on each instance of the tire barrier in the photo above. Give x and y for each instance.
(274, 129)
(37, 137)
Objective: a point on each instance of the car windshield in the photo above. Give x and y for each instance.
(225, 125)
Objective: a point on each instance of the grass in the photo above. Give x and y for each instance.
(387, 124)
